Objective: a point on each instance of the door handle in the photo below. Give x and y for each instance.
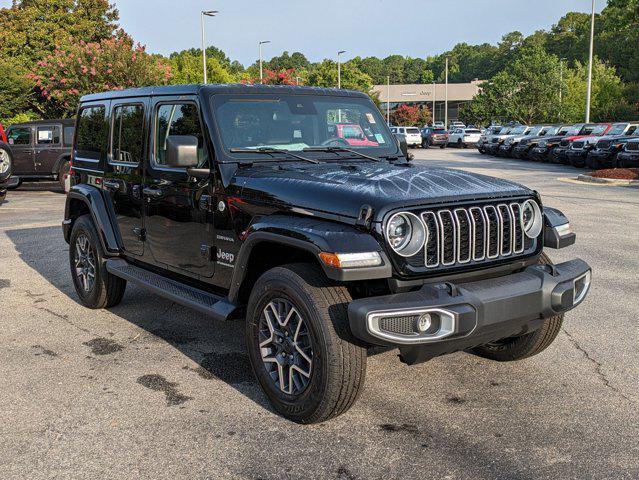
(111, 184)
(153, 192)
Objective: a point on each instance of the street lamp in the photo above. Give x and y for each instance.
(339, 69)
(561, 84)
(388, 100)
(446, 98)
(263, 42)
(592, 37)
(433, 115)
(206, 13)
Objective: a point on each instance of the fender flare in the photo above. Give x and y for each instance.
(313, 236)
(92, 197)
(58, 162)
(553, 238)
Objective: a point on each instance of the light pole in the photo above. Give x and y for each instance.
(388, 100)
(592, 38)
(339, 69)
(206, 13)
(433, 115)
(263, 42)
(446, 98)
(561, 85)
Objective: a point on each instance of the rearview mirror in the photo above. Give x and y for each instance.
(181, 151)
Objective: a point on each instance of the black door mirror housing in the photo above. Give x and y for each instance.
(181, 151)
(401, 143)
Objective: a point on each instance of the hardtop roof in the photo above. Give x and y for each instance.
(238, 88)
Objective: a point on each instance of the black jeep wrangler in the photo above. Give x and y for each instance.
(241, 202)
(40, 150)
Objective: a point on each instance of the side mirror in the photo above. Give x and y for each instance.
(401, 143)
(181, 151)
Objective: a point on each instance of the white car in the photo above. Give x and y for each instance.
(413, 135)
(439, 125)
(455, 125)
(463, 137)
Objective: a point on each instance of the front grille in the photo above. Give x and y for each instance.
(632, 146)
(472, 234)
(524, 142)
(604, 144)
(564, 143)
(494, 140)
(578, 145)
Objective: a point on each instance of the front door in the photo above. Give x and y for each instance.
(178, 222)
(21, 140)
(48, 147)
(123, 177)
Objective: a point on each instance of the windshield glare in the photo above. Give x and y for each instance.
(518, 130)
(618, 129)
(534, 131)
(297, 122)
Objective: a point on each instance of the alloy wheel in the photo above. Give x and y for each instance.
(5, 161)
(285, 346)
(84, 262)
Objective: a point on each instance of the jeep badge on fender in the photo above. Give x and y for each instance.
(330, 241)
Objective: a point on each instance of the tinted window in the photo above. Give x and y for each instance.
(177, 119)
(439, 131)
(412, 130)
(48, 135)
(67, 135)
(472, 130)
(92, 134)
(19, 136)
(128, 126)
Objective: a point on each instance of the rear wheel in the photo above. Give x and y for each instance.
(6, 162)
(300, 345)
(95, 286)
(527, 345)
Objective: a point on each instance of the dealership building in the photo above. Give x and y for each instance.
(458, 95)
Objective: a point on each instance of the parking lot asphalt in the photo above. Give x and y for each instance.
(150, 389)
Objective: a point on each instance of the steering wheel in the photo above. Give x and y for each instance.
(335, 142)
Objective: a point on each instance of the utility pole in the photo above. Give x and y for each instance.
(339, 68)
(446, 98)
(433, 115)
(388, 100)
(592, 41)
(561, 85)
(261, 70)
(207, 13)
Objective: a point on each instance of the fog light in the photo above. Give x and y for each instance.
(424, 322)
(581, 286)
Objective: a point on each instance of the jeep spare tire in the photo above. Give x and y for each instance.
(6, 162)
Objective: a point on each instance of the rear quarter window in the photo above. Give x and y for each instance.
(92, 134)
(67, 136)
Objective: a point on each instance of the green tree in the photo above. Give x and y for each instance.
(186, 67)
(324, 74)
(618, 40)
(15, 90)
(286, 61)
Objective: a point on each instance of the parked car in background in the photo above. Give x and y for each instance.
(579, 149)
(413, 135)
(439, 125)
(486, 135)
(606, 150)
(542, 152)
(41, 149)
(629, 156)
(434, 136)
(492, 148)
(559, 154)
(507, 148)
(354, 135)
(464, 137)
(454, 125)
(524, 148)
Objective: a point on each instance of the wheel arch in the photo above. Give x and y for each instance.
(87, 199)
(61, 159)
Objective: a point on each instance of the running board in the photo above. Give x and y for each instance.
(208, 303)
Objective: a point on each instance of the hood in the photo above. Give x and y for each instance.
(341, 189)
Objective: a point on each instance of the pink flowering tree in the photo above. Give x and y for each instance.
(271, 77)
(113, 64)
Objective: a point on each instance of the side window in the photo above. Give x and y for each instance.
(178, 119)
(48, 135)
(67, 135)
(93, 132)
(128, 133)
(19, 136)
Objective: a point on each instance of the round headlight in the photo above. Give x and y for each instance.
(531, 218)
(406, 234)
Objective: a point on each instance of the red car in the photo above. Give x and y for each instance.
(3, 136)
(354, 135)
(560, 153)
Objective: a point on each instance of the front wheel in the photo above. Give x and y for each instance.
(300, 345)
(527, 345)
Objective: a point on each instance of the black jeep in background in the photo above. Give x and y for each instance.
(241, 202)
(40, 150)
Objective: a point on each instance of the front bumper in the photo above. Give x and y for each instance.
(504, 150)
(577, 157)
(466, 315)
(491, 148)
(628, 159)
(520, 151)
(538, 153)
(559, 155)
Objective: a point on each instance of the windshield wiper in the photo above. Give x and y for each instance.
(273, 151)
(340, 149)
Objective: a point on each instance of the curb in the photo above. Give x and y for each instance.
(608, 181)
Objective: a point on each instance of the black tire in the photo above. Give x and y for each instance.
(63, 170)
(107, 290)
(459, 143)
(338, 366)
(518, 348)
(6, 161)
(443, 146)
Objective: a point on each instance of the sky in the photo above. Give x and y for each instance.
(415, 28)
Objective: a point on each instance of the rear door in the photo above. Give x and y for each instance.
(21, 140)
(48, 147)
(124, 171)
(177, 218)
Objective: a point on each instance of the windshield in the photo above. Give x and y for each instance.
(551, 131)
(518, 130)
(574, 130)
(439, 131)
(298, 122)
(618, 129)
(593, 129)
(535, 131)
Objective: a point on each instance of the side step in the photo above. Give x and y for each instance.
(216, 306)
